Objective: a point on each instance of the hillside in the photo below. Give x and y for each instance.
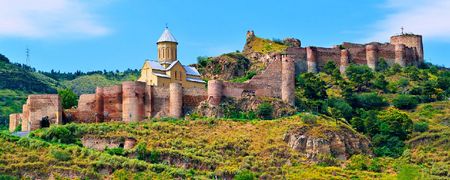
(221, 148)
(18, 81)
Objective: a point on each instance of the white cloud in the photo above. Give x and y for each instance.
(430, 18)
(48, 18)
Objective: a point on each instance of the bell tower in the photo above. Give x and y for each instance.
(167, 48)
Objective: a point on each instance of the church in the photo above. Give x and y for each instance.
(168, 69)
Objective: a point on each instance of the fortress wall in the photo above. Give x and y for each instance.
(411, 57)
(192, 98)
(86, 109)
(267, 83)
(358, 54)
(160, 101)
(327, 54)
(133, 101)
(387, 52)
(39, 107)
(25, 117)
(99, 104)
(112, 103)
(14, 121)
(148, 103)
(299, 55)
(175, 100)
(412, 41)
(234, 90)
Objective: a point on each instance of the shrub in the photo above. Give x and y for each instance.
(265, 110)
(7, 177)
(405, 101)
(59, 134)
(369, 101)
(329, 67)
(308, 118)
(342, 106)
(420, 126)
(244, 175)
(360, 76)
(68, 98)
(311, 86)
(61, 155)
(358, 162)
(116, 151)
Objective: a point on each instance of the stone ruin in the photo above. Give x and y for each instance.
(137, 101)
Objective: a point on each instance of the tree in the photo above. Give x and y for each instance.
(395, 123)
(329, 67)
(381, 65)
(311, 86)
(405, 101)
(4, 58)
(369, 101)
(360, 76)
(380, 83)
(265, 110)
(68, 97)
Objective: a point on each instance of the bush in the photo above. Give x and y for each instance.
(405, 101)
(358, 162)
(308, 118)
(116, 151)
(342, 106)
(369, 101)
(61, 155)
(420, 126)
(68, 98)
(265, 110)
(360, 76)
(60, 134)
(244, 175)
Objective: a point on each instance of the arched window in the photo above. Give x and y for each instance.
(167, 53)
(176, 75)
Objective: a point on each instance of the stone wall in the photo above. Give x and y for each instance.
(116, 103)
(40, 107)
(86, 104)
(14, 121)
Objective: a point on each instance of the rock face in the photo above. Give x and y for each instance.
(101, 143)
(245, 104)
(340, 144)
(224, 67)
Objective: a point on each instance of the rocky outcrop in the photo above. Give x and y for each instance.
(315, 141)
(101, 143)
(224, 67)
(245, 104)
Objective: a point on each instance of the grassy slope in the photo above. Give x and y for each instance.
(215, 147)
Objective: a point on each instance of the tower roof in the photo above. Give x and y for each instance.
(166, 36)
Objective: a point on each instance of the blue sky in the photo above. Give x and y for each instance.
(70, 35)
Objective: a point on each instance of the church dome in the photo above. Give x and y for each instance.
(167, 37)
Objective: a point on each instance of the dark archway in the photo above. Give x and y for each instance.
(45, 122)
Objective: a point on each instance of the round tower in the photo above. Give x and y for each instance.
(311, 59)
(99, 104)
(400, 54)
(372, 56)
(133, 101)
(215, 92)
(288, 79)
(345, 60)
(176, 100)
(167, 48)
(412, 41)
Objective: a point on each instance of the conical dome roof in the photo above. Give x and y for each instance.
(166, 36)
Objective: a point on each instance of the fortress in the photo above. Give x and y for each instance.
(168, 89)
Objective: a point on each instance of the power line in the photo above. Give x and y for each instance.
(27, 61)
